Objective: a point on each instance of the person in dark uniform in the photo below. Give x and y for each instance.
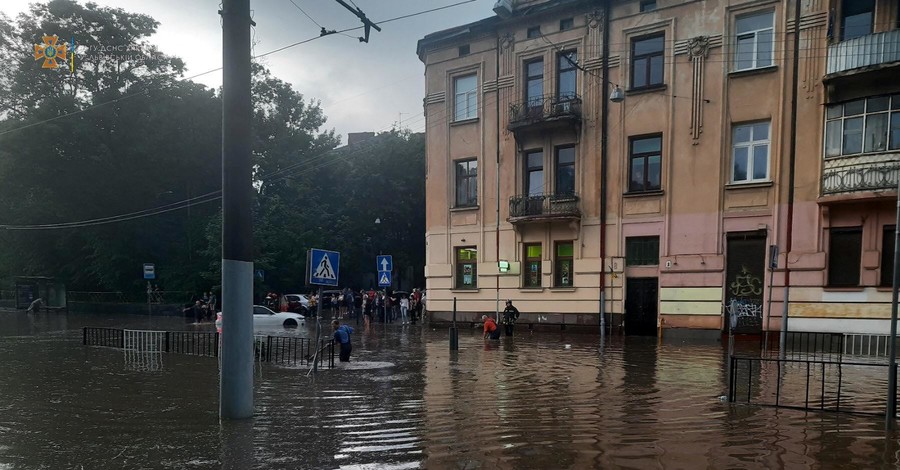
(510, 315)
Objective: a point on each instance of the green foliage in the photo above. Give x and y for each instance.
(158, 143)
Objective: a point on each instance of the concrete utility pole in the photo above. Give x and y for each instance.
(891, 409)
(236, 385)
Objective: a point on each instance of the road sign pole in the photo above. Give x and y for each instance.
(318, 329)
(454, 331)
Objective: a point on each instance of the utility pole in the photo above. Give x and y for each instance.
(236, 381)
(604, 157)
(891, 409)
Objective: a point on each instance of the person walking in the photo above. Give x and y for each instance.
(212, 302)
(490, 328)
(342, 337)
(510, 316)
(404, 309)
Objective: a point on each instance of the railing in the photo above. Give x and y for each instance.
(865, 51)
(118, 297)
(867, 345)
(861, 177)
(545, 108)
(544, 205)
(811, 385)
(281, 350)
(807, 345)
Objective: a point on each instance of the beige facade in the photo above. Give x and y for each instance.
(698, 163)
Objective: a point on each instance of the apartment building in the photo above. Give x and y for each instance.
(649, 176)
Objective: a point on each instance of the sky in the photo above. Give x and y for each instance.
(362, 87)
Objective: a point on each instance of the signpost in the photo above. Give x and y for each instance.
(384, 264)
(323, 269)
(149, 274)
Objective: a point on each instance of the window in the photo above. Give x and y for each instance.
(534, 173)
(532, 265)
(642, 251)
(566, 24)
(467, 183)
(647, 61)
(534, 85)
(750, 153)
(863, 126)
(565, 171)
(648, 5)
(463, 50)
(467, 268)
(562, 272)
(887, 256)
(534, 32)
(566, 75)
(646, 160)
(466, 91)
(844, 253)
(857, 18)
(753, 47)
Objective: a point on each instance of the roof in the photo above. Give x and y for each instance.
(490, 24)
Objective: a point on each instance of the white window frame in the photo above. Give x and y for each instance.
(750, 146)
(755, 34)
(470, 98)
(893, 108)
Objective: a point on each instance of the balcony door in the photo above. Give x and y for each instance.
(534, 88)
(857, 18)
(534, 182)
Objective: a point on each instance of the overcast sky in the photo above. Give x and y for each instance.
(361, 86)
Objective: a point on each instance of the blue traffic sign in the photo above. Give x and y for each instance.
(324, 267)
(260, 274)
(384, 263)
(384, 279)
(149, 271)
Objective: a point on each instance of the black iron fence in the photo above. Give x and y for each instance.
(811, 385)
(805, 345)
(539, 205)
(118, 297)
(545, 108)
(281, 350)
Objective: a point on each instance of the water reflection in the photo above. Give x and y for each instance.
(405, 401)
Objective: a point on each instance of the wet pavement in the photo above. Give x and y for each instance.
(542, 400)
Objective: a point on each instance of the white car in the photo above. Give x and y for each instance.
(263, 317)
(297, 303)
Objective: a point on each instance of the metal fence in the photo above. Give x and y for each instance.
(119, 297)
(806, 345)
(281, 350)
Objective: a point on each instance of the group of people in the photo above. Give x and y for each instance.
(390, 307)
(203, 308)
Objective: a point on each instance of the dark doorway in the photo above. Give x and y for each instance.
(641, 306)
(745, 272)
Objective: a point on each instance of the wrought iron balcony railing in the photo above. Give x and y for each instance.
(861, 177)
(864, 51)
(547, 108)
(543, 206)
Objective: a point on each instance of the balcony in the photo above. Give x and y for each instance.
(545, 112)
(543, 208)
(871, 52)
(868, 173)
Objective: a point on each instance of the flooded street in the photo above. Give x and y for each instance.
(542, 400)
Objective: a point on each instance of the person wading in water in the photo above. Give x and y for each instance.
(342, 337)
(510, 316)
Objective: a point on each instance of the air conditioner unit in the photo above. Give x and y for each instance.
(503, 8)
(563, 107)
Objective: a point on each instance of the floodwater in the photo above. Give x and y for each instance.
(541, 400)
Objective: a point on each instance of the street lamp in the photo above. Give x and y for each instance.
(617, 95)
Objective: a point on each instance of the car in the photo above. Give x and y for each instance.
(264, 317)
(297, 303)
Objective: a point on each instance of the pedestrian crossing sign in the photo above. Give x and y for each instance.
(384, 279)
(324, 267)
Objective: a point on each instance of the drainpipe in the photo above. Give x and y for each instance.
(795, 80)
(604, 131)
(499, 121)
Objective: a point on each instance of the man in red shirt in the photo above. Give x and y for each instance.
(490, 328)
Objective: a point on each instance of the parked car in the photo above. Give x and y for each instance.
(297, 303)
(264, 317)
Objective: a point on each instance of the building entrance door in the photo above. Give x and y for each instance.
(745, 272)
(641, 305)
